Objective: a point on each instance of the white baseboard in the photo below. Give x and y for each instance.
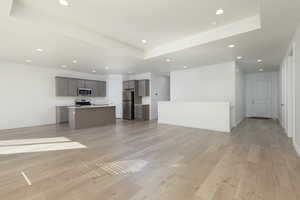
(297, 148)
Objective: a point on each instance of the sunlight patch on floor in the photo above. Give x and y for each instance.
(33, 141)
(37, 145)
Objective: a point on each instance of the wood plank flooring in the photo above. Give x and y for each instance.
(255, 162)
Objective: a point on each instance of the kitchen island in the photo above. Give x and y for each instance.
(91, 116)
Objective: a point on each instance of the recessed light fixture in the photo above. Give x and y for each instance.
(185, 67)
(220, 12)
(231, 46)
(259, 60)
(64, 2)
(28, 61)
(239, 57)
(39, 50)
(261, 70)
(94, 71)
(64, 66)
(168, 60)
(144, 41)
(74, 61)
(107, 68)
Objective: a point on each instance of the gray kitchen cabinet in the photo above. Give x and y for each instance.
(62, 114)
(62, 86)
(100, 89)
(125, 85)
(73, 87)
(143, 88)
(92, 85)
(131, 84)
(69, 87)
(141, 112)
(81, 83)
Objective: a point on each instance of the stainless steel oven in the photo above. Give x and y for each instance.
(84, 92)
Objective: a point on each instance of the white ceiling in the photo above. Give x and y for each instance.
(109, 33)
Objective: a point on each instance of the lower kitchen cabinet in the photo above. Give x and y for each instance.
(62, 114)
(142, 112)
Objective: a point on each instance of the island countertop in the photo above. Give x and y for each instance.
(92, 106)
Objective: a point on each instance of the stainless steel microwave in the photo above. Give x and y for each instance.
(84, 92)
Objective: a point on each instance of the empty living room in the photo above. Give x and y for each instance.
(150, 100)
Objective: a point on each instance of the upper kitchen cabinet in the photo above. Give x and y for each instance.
(129, 84)
(91, 85)
(62, 86)
(143, 88)
(100, 89)
(69, 87)
(74, 84)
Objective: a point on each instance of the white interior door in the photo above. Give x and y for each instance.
(283, 96)
(259, 95)
(287, 110)
(290, 95)
(289, 88)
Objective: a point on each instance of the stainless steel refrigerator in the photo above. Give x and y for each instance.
(128, 104)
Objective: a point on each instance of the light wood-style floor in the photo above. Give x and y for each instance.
(255, 162)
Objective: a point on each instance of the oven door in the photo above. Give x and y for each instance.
(84, 92)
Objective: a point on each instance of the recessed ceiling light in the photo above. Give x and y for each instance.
(107, 68)
(94, 71)
(185, 67)
(259, 60)
(74, 61)
(64, 66)
(64, 2)
(39, 50)
(28, 61)
(144, 41)
(239, 57)
(231, 46)
(168, 60)
(220, 12)
(261, 69)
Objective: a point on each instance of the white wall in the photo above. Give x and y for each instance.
(296, 41)
(160, 91)
(240, 95)
(205, 115)
(28, 94)
(115, 89)
(296, 44)
(209, 83)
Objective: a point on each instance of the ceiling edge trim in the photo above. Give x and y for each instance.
(222, 32)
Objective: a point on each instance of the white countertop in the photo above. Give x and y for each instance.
(92, 106)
